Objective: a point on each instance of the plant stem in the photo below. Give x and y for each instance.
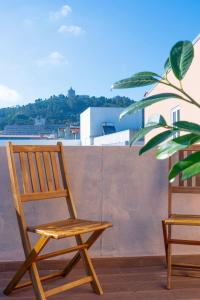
(192, 101)
(174, 128)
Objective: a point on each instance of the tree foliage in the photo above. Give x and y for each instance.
(57, 109)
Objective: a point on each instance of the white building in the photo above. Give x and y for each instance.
(101, 126)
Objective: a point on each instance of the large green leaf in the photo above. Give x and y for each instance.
(156, 119)
(137, 80)
(169, 148)
(142, 132)
(147, 102)
(156, 140)
(167, 65)
(183, 165)
(188, 126)
(154, 122)
(191, 171)
(147, 73)
(181, 57)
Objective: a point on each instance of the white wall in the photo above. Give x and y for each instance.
(120, 138)
(85, 127)
(92, 118)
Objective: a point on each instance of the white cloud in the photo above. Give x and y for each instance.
(63, 12)
(54, 59)
(71, 30)
(9, 97)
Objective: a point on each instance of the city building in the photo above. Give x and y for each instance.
(173, 109)
(75, 131)
(102, 126)
(47, 130)
(40, 128)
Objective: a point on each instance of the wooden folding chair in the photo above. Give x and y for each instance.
(44, 176)
(190, 186)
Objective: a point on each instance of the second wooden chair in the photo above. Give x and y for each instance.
(189, 187)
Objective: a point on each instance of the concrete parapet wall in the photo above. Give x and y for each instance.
(108, 183)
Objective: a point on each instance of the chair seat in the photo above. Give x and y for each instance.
(178, 219)
(69, 227)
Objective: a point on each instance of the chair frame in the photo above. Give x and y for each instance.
(32, 255)
(180, 219)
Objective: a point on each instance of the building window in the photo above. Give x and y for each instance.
(175, 117)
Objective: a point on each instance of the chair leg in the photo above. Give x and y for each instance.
(165, 238)
(30, 265)
(90, 271)
(169, 260)
(73, 262)
(169, 266)
(37, 285)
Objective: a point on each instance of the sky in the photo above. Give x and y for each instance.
(47, 46)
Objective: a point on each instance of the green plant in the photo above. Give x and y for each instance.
(179, 61)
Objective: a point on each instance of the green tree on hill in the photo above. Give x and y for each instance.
(57, 109)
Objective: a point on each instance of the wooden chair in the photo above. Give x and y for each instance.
(44, 176)
(190, 186)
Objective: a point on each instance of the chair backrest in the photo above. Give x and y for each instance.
(38, 173)
(190, 186)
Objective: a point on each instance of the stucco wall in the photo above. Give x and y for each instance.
(108, 183)
(190, 84)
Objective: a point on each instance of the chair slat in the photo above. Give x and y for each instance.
(197, 180)
(61, 252)
(40, 171)
(42, 278)
(25, 175)
(68, 286)
(48, 171)
(30, 148)
(193, 148)
(185, 189)
(189, 181)
(33, 171)
(55, 170)
(43, 195)
(181, 156)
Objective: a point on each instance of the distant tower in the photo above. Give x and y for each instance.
(71, 93)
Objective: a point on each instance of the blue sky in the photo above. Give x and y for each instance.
(47, 46)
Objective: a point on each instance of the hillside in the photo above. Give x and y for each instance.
(57, 109)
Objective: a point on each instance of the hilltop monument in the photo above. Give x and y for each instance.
(71, 93)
